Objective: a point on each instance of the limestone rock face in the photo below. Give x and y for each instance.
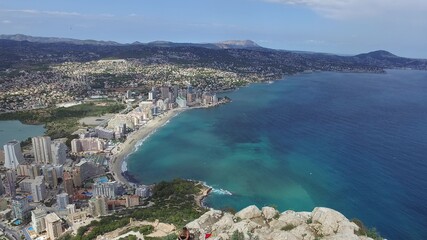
(269, 213)
(293, 218)
(206, 220)
(249, 212)
(332, 222)
(267, 224)
(244, 226)
(278, 234)
(303, 231)
(224, 224)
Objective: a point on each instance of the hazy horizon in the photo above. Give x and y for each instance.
(339, 27)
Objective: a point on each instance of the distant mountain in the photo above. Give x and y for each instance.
(385, 59)
(18, 51)
(380, 55)
(237, 44)
(231, 44)
(21, 37)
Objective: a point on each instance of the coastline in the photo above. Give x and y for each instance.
(128, 147)
(203, 194)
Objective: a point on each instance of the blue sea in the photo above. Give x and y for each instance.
(356, 143)
(15, 130)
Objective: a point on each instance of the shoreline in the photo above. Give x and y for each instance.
(134, 139)
(204, 193)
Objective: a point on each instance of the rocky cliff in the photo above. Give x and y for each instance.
(269, 224)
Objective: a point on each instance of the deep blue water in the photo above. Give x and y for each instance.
(353, 142)
(15, 130)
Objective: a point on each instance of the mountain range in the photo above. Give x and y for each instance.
(220, 45)
(245, 56)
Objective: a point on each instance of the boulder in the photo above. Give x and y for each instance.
(303, 232)
(269, 213)
(244, 226)
(222, 236)
(278, 224)
(329, 220)
(342, 237)
(249, 212)
(293, 218)
(264, 225)
(223, 224)
(347, 228)
(365, 238)
(206, 220)
(282, 235)
(262, 233)
(193, 225)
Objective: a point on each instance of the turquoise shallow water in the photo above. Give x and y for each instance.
(352, 142)
(10, 130)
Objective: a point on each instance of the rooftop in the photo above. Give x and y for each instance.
(52, 217)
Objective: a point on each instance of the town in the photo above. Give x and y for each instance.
(70, 82)
(50, 189)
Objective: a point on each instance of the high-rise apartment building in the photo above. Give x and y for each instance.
(59, 153)
(12, 155)
(38, 189)
(107, 189)
(1, 187)
(28, 170)
(68, 183)
(53, 226)
(20, 207)
(87, 145)
(50, 174)
(98, 206)
(42, 149)
(10, 183)
(62, 200)
(38, 220)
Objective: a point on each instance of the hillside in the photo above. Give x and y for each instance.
(236, 56)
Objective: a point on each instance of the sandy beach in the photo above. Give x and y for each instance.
(129, 145)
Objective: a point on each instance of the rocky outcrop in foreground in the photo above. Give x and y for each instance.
(269, 224)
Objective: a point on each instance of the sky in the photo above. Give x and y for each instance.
(332, 26)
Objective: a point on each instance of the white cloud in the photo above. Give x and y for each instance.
(314, 42)
(6, 21)
(32, 11)
(345, 9)
(59, 13)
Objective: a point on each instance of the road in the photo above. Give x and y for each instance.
(27, 236)
(10, 233)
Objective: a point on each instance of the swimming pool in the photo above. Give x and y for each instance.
(102, 179)
(17, 222)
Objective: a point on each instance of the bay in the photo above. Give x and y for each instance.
(352, 142)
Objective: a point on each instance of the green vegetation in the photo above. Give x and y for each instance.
(130, 237)
(237, 236)
(174, 203)
(364, 231)
(229, 210)
(145, 230)
(169, 237)
(288, 227)
(62, 122)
